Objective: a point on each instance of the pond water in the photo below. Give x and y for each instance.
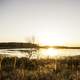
(40, 53)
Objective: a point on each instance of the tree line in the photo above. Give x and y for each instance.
(9, 45)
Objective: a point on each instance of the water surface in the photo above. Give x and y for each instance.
(40, 53)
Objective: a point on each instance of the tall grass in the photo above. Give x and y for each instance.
(13, 68)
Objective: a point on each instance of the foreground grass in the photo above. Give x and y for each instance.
(43, 69)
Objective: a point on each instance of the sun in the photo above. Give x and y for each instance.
(50, 40)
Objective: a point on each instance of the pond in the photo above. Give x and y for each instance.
(39, 53)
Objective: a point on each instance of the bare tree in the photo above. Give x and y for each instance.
(31, 39)
(32, 51)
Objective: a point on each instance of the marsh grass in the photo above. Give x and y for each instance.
(13, 68)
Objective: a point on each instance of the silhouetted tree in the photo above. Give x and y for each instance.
(35, 46)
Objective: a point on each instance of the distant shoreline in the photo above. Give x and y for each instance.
(11, 45)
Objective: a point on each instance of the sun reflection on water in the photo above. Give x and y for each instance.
(50, 52)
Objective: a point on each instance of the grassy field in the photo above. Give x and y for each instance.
(13, 68)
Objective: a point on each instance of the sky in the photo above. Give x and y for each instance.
(54, 20)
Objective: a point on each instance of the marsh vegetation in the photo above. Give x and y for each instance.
(14, 68)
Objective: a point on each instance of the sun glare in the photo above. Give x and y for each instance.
(50, 40)
(50, 52)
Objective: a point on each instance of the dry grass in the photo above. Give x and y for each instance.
(43, 69)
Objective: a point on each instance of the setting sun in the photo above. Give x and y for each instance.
(50, 39)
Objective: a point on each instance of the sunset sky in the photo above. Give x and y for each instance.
(51, 21)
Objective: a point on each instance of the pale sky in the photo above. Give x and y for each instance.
(55, 19)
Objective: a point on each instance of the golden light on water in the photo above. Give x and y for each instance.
(50, 52)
